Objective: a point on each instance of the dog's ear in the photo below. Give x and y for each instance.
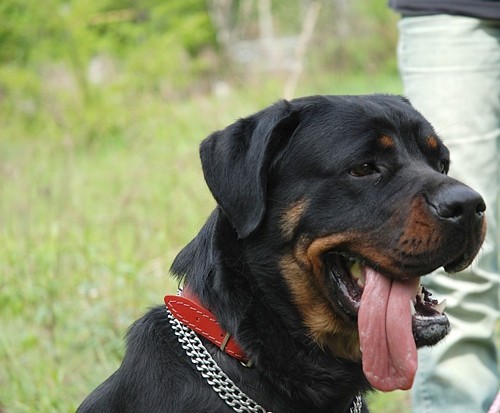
(236, 161)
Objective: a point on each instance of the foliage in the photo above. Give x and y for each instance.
(47, 53)
(30, 33)
(93, 55)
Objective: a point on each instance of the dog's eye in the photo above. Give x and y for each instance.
(443, 167)
(363, 170)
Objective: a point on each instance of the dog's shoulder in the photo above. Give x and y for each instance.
(154, 363)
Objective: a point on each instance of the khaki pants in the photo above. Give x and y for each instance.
(450, 67)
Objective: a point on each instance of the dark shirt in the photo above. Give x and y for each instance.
(483, 9)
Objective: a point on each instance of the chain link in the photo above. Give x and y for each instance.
(216, 378)
(357, 405)
(210, 371)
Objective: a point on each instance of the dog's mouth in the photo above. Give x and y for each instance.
(394, 317)
(349, 278)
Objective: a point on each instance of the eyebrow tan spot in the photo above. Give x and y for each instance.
(432, 142)
(386, 141)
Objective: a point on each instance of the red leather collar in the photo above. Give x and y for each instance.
(189, 311)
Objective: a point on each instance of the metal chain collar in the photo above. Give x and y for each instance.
(216, 378)
(357, 405)
(210, 371)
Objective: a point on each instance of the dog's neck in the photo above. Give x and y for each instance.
(230, 291)
(187, 309)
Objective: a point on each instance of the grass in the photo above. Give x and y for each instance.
(94, 205)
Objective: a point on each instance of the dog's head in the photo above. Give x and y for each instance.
(346, 202)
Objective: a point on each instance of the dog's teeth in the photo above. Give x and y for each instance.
(357, 274)
(440, 307)
(412, 307)
(355, 270)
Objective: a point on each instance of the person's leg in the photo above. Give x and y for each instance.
(450, 67)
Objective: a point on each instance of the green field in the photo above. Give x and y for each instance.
(93, 208)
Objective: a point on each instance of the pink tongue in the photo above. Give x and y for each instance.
(388, 349)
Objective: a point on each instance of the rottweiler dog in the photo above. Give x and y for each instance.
(301, 291)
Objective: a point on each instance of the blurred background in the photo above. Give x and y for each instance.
(102, 106)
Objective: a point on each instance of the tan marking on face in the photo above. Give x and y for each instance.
(291, 217)
(303, 273)
(356, 242)
(422, 232)
(321, 245)
(308, 297)
(432, 142)
(386, 141)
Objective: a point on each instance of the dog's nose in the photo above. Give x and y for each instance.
(458, 203)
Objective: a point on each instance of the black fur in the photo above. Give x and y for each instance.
(256, 169)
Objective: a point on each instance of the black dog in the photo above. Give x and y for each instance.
(329, 210)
